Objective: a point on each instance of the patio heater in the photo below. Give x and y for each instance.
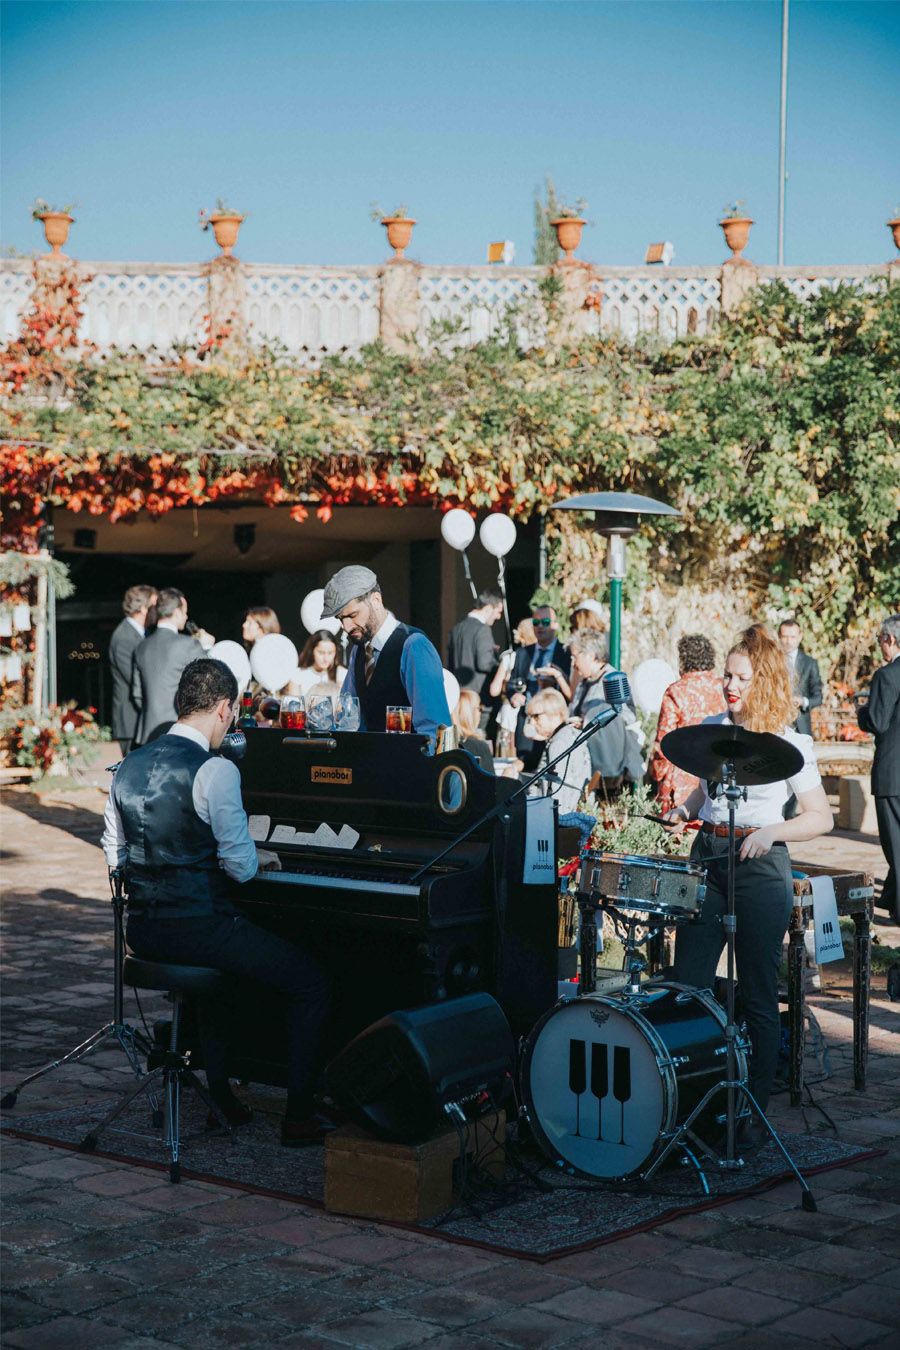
(617, 516)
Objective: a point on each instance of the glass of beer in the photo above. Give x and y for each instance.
(398, 718)
(293, 714)
(346, 716)
(320, 713)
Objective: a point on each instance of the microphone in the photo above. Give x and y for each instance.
(616, 689)
(234, 746)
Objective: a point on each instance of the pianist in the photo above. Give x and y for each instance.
(175, 822)
(389, 662)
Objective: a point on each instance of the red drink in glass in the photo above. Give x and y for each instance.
(398, 719)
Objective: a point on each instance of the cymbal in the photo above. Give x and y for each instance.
(758, 756)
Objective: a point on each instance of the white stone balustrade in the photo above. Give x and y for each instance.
(314, 311)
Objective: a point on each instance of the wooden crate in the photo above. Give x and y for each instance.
(376, 1179)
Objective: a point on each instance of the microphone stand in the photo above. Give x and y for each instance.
(602, 719)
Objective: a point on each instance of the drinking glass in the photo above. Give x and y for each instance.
(320, 713)
(270, 710)
(293, 714)
(398, 717)
(347, 713)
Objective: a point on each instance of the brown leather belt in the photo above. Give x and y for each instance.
(721, 831)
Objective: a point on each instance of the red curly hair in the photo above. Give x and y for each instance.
(770, 700)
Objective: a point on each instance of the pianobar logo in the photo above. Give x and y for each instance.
(330, 773)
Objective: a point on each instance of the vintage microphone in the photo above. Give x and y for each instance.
(617, 692)
(234, 746)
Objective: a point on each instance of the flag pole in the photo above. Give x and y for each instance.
(782, 129)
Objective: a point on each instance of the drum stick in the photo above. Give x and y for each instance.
(661, 820)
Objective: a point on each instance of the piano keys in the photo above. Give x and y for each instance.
(391, 929)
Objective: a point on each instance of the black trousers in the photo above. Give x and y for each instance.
(232, 944)
(887, 811)
(763, 900)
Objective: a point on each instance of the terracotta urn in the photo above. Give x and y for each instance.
(568, 234)
(56, 229)
(737, 231)
(399, 233)
(894, 227)
(226, 229)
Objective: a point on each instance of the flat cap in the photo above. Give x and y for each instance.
(348, 584)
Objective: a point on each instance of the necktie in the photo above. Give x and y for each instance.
(370, 661)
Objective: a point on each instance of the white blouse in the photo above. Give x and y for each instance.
(307, 679)
(764, 804)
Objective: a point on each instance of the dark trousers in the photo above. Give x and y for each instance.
(763, 900)
(887, 811)
(232, 944)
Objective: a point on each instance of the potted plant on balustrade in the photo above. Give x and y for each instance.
(735, 224)
(225, 224)
(894, 226)
(399, 225)
(56, 220)
(569, 222)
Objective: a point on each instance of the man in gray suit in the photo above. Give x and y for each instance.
(881, 716)
(125, 639)
(805, 677)
(158, 663)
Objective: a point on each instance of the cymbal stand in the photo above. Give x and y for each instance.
(734, 1087)
(131, 1041)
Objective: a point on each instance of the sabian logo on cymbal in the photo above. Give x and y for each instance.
(330, 773)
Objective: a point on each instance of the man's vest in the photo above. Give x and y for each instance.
(172, 868)
(385, 688)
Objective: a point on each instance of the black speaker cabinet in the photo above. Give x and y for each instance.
(396, 1077)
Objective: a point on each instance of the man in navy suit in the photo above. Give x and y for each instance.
(546, 664)
(805, 678)
(881, 716)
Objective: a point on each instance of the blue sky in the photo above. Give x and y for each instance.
(302, 114)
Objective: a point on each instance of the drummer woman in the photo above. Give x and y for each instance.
(758, 697)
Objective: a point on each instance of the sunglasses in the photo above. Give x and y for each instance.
(542, 623)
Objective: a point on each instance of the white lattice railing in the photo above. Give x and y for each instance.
(312, 311)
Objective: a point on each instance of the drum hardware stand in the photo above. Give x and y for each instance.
(132, 1042)
(733, 793)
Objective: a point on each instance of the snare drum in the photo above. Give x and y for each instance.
(606, 1079)
(672, 887)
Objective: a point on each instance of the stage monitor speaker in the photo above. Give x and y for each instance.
(395, 1077)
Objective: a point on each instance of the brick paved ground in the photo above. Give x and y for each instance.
(101, 1254)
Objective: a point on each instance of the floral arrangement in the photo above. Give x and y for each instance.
(222, 208)
(575, 211)
(42, 208)
(399, 213)
(621, 827)
(56, 737)
(736, 210)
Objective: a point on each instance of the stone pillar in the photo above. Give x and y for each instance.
(569, 315)
(738, 276)
(226, 289)
(398, 305)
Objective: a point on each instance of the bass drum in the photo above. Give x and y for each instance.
(606, 1079)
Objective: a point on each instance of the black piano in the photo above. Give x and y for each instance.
(391, 929)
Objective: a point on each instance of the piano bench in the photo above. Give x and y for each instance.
(168, 978)
(375, 1179)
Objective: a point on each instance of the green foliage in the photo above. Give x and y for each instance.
(16, 568)
(776, 436)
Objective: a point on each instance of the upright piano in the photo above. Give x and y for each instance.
(391, 927)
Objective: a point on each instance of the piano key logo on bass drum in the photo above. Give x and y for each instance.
(330, 773)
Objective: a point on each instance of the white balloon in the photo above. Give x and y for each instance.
(649, 682)
(235, 658)
(311, 614)
(451, 689)
(497, 535)
(273, 661)
(457, 528)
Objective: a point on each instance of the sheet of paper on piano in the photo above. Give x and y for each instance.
(286, 834)
(259, 828)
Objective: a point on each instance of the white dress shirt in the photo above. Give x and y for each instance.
(138, 627)
(216, 796)
(764, 804)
